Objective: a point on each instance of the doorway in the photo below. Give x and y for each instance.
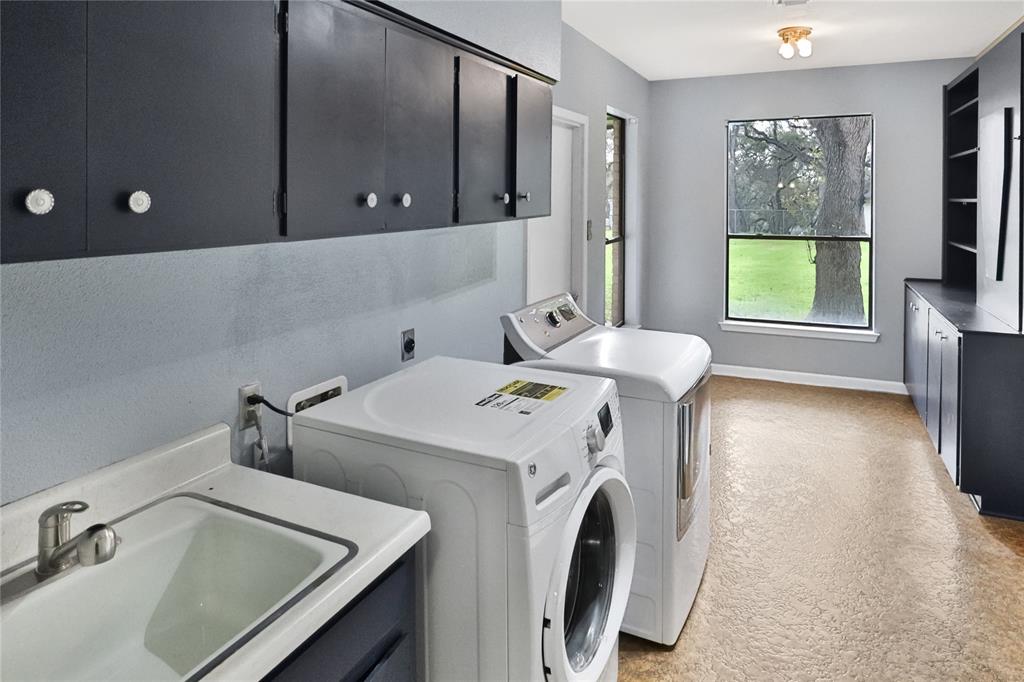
(556, 244)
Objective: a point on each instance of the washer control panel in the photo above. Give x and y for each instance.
(548, 323)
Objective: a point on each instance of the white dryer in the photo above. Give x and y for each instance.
(525, 574)
(662, 383)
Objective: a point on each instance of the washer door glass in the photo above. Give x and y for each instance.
(588, 593)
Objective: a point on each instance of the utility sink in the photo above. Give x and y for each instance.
(192, 580)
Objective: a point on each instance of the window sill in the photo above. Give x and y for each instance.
(831, 333)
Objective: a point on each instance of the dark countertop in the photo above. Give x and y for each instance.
(957, 305)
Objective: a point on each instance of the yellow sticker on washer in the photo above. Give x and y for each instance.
(532, 389)
(522, 397)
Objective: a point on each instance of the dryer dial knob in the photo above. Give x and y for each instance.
(595, 440)
(552, 318)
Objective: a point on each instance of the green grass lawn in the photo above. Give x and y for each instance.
(774, 280)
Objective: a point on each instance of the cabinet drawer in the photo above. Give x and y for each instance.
(372, 638)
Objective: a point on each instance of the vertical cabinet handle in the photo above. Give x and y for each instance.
(503, 198)
(525, 196)
(370, 200)
(139, 201)
(405, 200)
(39, 201)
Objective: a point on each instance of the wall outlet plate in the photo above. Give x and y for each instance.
(247, 413)
(314, 395)
(408, 344)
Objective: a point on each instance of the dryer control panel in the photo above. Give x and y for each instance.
(544, 325)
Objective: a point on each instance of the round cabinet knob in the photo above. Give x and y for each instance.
(139, 201)
(39, 201)
(504, 198)
(595, 440)
(370, 200)
(406, 200)
(524, 195)
(552, 318)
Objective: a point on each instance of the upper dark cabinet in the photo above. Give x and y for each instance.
(370, 132)
(420, 89)
(485, 186)
(43, 109)
(182, 108)
(533, 147)
(335, 104)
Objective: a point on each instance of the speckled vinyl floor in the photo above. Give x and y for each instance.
(841, 550)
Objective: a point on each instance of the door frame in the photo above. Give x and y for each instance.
(632, 244)
(579, 125)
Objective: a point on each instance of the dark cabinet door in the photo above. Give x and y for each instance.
(43, 109)
(933, 391)
(915, 354)
(420, 89)
(484, 143)
(949, 402)
(533, 147)
(335, 121)
(183, 107)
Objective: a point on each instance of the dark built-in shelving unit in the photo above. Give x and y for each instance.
(960, 172)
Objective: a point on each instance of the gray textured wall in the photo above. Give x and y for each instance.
(593, 80)
(104, 358)
(525, 31)
(686, 212)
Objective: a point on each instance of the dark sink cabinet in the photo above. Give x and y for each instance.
(134, 126)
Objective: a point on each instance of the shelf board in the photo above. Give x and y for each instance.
(963, 200)
(970, 248)
(966, 152)
(964, 107)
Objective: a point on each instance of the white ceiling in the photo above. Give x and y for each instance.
(685, 39)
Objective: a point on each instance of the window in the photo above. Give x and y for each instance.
(799, 227)
(614, 221)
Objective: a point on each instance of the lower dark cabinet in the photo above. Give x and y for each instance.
(915, 356)
(973, 369)
(373, 638)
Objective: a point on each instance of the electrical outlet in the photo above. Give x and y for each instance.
(247, 414)
(408, 344)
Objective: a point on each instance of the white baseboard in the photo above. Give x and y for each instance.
(809, 379)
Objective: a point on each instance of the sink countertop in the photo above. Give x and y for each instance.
(201, 464)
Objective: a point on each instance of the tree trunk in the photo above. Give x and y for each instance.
(838, 296)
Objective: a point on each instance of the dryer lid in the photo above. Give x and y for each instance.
(646, 364)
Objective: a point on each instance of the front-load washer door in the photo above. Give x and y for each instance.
(590, 583)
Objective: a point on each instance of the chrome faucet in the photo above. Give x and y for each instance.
(59, 552)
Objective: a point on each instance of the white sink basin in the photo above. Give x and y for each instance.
(190, 583)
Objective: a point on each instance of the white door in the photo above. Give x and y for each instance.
(554, 244)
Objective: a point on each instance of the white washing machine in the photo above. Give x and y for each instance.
(525, 574)
(662, 383)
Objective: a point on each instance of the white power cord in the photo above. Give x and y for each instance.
(260, 451)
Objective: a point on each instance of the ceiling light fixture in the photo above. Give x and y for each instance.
(795, 40)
